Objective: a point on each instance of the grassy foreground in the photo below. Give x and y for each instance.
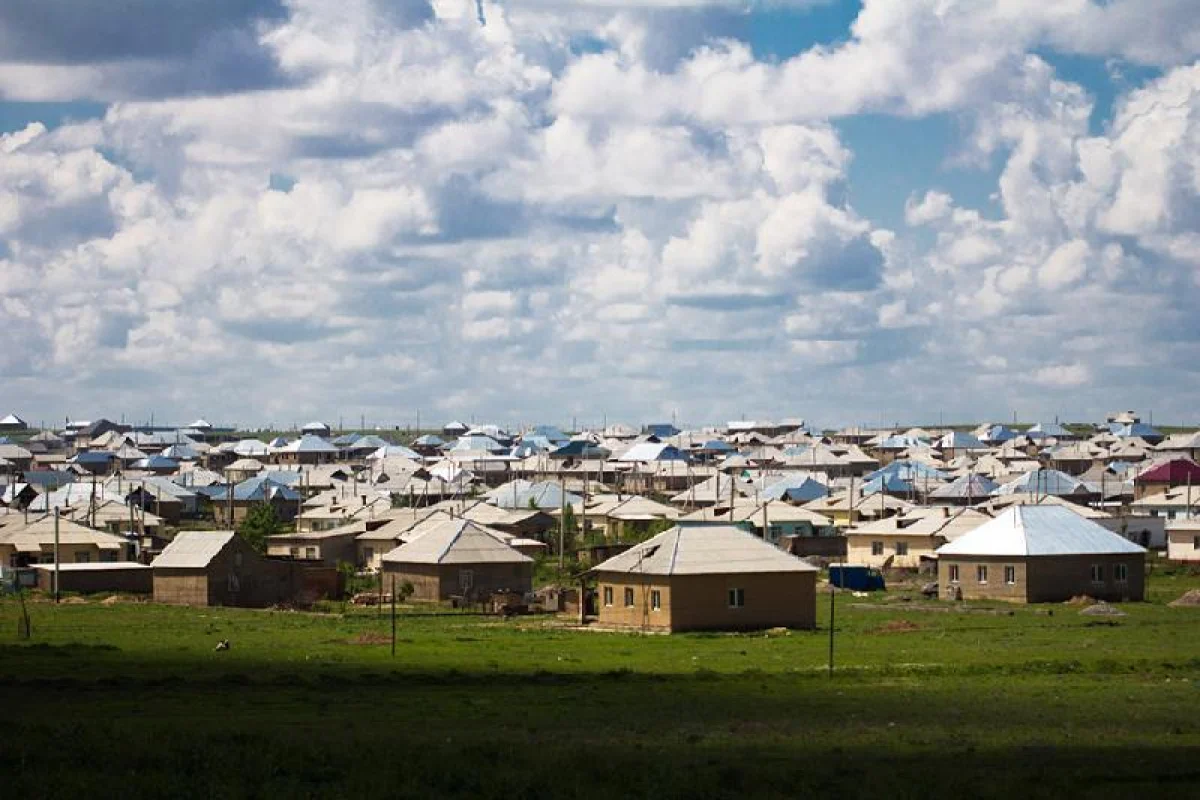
(131, 700)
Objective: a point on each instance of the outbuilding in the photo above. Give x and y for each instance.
(705, 576)
(219, 568)
(1041, 554)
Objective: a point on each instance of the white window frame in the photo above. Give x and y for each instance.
(466, 579)
(608, 596)
(876, 548)
(981, 574)
(1121, 573)
(954, 573)
(737, 598)
(655, 600)
(1010, 574)
(629, 597)
(1098, 574)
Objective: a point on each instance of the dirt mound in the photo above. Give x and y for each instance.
(897, 626)
(1189, 599)
(370, 638)
(73, 601)
(1102, 610)
(1082, 600)
(110, 601)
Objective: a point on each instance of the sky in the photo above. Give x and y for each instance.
(877, 212)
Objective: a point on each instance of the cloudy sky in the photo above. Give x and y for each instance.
(894, 210)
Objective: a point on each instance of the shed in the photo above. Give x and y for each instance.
(118, 576)
(219, 568)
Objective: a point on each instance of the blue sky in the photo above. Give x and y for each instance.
(845, 211)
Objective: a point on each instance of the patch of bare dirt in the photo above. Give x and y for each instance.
(897, 626)
(1188, 599)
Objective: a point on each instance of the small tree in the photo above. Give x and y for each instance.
(260, 522)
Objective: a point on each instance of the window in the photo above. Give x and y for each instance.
(1196, 543)
(737, 598)
(466, 579)
(310, 552)
(108, 555)
(1097, 573)
(876, 548)
(82, 557)
(628, 597)
(954, 573)
(981, 574)
(295, 552)
(1121, 573)
(901, 548)
(1010, 575)
(608, 595)
(656, 599)
(368, 553)
(234, 584)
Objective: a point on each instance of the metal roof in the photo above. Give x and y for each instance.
(192, 549)
(704, 549)
(456, 541)
(1053, 530)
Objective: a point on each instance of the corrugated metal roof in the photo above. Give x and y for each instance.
(456, 541)
(192, 549)
(704, 549)
(1039, 531)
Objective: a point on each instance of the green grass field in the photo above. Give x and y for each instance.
(131, 700)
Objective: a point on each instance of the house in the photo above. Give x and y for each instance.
(327, 547)
(1183, 541)
(243, 469)
(457, 557)
(12, 423)
(904, 541)
(308, 449)
(315, 428)
(1041, 554)
(1163, 475)
(250, 493)
(219, 568)
(24, 542)
(18, 457)
(705, 576)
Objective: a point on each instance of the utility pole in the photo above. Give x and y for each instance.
(393, 616)
(562, 523)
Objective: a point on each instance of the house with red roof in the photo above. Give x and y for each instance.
(1165, 475)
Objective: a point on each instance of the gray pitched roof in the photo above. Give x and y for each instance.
(456, 541)
(1040, 530)
(192, 549)
(704, 549)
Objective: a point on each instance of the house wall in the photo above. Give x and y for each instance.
(186, 587)
(640, 615)
(1183, 546)
(128, 579)
(859, 549)
(68, 553)
(425, 578)
(327, 552)
(1044, 579)
(442, 581)
(701, 602)
(994, 589)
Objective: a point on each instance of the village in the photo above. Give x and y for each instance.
(647, 528)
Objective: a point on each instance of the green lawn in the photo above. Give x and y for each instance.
(131, 700)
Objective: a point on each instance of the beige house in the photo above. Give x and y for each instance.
(1183, 541)
(902, 542)
(457, 557)
(1041, 554)
(705, 576)
(27, 542)
(329, 548)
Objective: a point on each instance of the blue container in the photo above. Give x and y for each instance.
(858, 577)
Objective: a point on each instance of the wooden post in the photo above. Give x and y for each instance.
(56, 555)
(393, 616)
(832, 606)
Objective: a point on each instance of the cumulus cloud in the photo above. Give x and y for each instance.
(376, 207)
